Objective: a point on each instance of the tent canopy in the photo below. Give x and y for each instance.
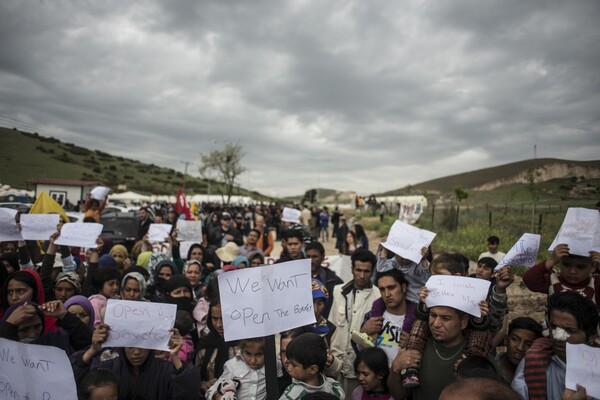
(129, 196)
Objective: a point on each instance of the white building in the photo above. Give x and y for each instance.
(62, 190)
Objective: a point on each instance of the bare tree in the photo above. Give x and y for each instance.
(227, 164)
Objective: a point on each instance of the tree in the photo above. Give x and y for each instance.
(227, 164)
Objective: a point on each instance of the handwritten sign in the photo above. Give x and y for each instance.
(458, 292)
(139, 324)
(189, 230)
(99, 192)
(266, 300)
(8, 226)
(32, 371)
(291, 215)
(580, 230)
(524, 252)
(158, 232)
(79, 234)
(583, 368)
(407, 240)
(341, 265)
(38, 226)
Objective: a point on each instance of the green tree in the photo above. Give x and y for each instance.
(227, 164)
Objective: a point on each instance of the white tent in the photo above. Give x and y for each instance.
(129, 196)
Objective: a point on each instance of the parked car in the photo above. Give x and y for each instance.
(22, 207)
(120, 228)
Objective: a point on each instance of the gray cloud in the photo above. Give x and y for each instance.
(368, 96)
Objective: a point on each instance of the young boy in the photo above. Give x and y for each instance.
(306, 358)
(575, 274)
(248, 369)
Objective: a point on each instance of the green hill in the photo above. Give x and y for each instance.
(28, 156)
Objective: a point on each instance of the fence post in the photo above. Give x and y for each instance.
(432, 216)
(490, 219)
(540, 223)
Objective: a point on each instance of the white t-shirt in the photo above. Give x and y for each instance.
(389, 336)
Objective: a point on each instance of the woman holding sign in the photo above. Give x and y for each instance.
(141, 375)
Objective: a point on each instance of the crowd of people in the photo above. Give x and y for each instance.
(373, 336)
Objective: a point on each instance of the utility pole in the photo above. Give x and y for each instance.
(186, 163)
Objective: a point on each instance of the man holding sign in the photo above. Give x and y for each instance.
(541, 374)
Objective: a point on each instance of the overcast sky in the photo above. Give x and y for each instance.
(351, 95)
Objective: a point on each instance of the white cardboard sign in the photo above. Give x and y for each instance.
(407, 240)
(159, 232)
(580, 230)
(291, 215)
(460, 292)
(341, 265)
(189, 231)
(79, 234)
(99, 192)
(583, 368)
(33, 371)
(263, 301)
(524, 252)
(8, 226)
(38, 226)
(139, 324)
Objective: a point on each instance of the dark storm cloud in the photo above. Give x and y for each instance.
(351, 95)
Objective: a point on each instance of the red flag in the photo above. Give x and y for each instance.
(181, 206)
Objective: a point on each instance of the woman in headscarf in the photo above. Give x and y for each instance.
(121, 257)
(194, 271)
(25, 285)
(67, 285)
(24, 322)
(81, 307)
(163, 271)
(133, 287)
(141, 375)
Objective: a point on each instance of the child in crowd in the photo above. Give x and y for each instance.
(479, 333)
(106, 284)
(372, 369)
(248, 369)
(307, 355)
(99, 384)
(416, 275)
(320, 295)
(575, 274)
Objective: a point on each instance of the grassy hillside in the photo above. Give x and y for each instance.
(479, 177)
(27, 156)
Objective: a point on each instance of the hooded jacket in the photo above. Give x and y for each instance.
(158, 379)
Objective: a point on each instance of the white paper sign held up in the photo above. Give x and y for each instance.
(189, 231)
(38, 226)
(263, 301)
(460, 292)
(583, 368)
(159, 232)
(79, 234)
(524, 252)
(33, 371)
(580, 230)
(291, 215)
(407, 240)
(139, 324)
